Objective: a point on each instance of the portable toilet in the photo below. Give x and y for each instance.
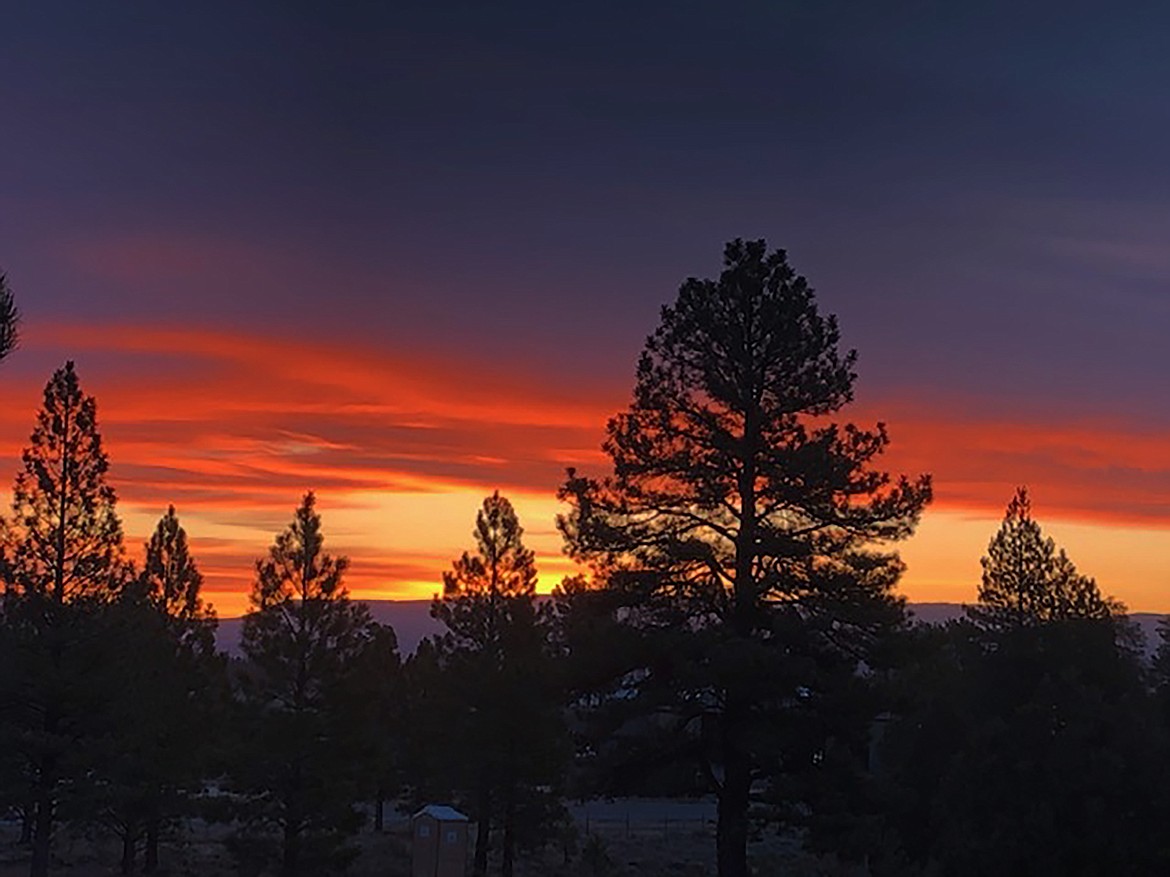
(439, 842)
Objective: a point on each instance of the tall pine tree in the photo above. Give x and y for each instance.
(740, 525)
(170, 688)
(63, 561)
(300, 762)
(495, 656)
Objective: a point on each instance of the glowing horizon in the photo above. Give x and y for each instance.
(232, 429)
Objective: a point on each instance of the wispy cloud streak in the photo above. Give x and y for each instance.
(232, 428)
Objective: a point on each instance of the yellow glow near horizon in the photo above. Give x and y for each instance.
(400, 543)
(402, 452)
(1129, 562)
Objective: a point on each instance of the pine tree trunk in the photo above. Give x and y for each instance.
(44, 805)
(380, 812)
(153, 829)
(128, 851)
(731, 833)
(482, 836)
(42, 836)
(507, 865)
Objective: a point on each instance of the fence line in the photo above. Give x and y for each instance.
(662, 827)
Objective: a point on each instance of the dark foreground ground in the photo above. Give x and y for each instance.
(614, 839)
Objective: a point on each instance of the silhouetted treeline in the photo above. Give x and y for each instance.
(734, 633)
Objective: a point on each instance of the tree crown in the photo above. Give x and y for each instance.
(501, 565)
(171, 584)
(297, 567)
(303, 631)
(1027, 580)
(488, 596)
(64, 537)
(724, 462)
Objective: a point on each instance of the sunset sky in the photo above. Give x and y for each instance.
(407, 253)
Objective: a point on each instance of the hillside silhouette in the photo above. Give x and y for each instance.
(412, 621)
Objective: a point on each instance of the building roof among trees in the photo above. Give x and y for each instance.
(442, 813)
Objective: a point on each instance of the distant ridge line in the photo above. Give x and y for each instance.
(411, 620)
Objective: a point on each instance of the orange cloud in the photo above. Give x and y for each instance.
(1079, 469)
(232, 428)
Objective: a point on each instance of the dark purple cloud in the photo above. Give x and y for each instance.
(503, 194)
